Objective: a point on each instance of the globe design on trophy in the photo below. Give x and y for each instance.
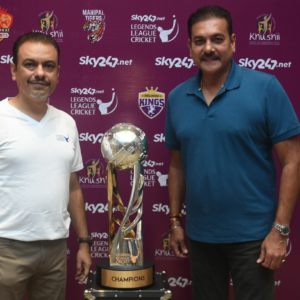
(125, 147)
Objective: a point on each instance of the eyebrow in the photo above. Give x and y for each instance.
(214, 35)
(45, 62)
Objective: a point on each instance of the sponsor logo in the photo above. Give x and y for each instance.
(146, 31)
(98, 235)
(94, 170)
(6, 21)
(181, 282)
(151, 163)
(162, 179)
(6, 59)
(150, 173)
(99, 207)
(164, 252)
(104, 62)
(94, 138)
(99, 248)
(87, 105)
(94, 23)
(166, 241)
(145, 18)
(126, 259)
(174, 62)
(265, 34)
(106, 108)
(159, 138)
(48, 24)
(161, 208)
(165, 208)
(263, 64)
(86, 91)
(63, 138)
(151, 102)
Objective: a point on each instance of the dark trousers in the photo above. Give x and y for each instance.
(211, 265)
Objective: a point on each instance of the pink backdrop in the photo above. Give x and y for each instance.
(119, 57)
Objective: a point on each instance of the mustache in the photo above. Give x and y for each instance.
(39, 81)
(213, 56)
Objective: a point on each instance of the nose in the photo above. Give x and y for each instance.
(208, 47)
(39, 72)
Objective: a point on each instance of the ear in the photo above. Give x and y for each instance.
(189, 46)
(13, 70)
(232, 41)
(58, 73)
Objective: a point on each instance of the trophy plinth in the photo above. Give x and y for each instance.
(125, 147)
(125, 277)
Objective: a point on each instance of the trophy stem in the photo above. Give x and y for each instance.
(126, 247)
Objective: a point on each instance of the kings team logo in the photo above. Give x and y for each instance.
(94, 24)
(151, 102)
(6, 21)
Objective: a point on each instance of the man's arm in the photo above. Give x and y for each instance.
(176, 197)
(78, 219)
(274, 246)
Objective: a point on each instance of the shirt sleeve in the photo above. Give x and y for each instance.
(171, 140)
(282, 121)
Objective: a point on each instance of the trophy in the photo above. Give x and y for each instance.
(125, 147)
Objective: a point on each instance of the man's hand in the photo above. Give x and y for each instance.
(84, 262)
(273, 250)
(177, 243)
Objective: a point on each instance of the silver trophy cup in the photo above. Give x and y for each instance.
(125, 147)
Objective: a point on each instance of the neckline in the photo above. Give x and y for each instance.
(28, 118)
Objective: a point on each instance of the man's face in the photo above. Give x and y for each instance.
(211, 47)
(37, 71)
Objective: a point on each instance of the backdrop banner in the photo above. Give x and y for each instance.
(119, 61)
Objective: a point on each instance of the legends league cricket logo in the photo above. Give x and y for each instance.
(6, 21)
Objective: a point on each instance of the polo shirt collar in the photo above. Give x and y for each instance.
(233, 80)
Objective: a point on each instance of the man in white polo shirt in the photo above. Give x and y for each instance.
(39, 189)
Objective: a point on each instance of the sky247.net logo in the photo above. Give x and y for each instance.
(174, 62)
(104, 62)
(263, 64)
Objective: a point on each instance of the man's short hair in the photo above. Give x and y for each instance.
(208, 12)
(35, 37)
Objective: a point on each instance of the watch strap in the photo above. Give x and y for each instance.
(85, 240)
(284, 230)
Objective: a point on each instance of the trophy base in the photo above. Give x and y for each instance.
(125, 277)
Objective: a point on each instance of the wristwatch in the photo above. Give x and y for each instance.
(284, 230)
(85, 240)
